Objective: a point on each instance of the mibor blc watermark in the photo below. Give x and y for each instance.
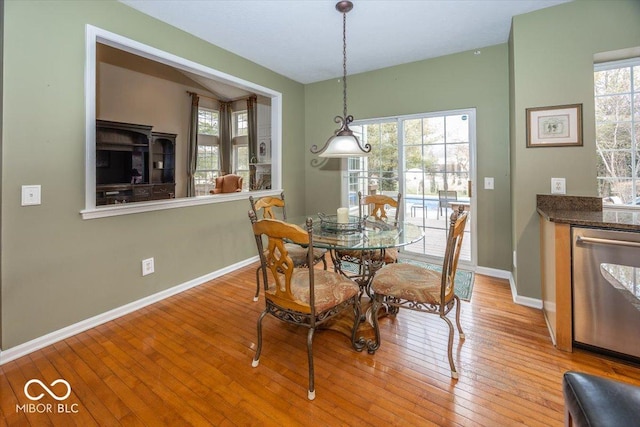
(35, 390)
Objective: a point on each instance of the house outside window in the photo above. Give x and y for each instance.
(617, 107)
(208, 163)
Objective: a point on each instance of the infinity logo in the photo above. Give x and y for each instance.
(52, 394)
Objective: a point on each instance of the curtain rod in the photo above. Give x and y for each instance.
(220, 100)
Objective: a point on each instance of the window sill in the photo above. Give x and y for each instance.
(159, 205)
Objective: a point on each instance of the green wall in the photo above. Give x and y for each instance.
(552, 64)
(457, 81)
(58, 269)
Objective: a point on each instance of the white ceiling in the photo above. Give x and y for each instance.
(302, 39)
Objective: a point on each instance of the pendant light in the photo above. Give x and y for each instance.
(343, 143)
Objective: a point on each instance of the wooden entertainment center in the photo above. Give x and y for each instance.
(133, 163)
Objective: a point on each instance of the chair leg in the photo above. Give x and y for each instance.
(258, 270)
(372, 346)
(324, 260)
(256, 357)
(458, 317)
(312, 391)
(454, 373)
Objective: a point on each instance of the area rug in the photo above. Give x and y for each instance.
(463, 282)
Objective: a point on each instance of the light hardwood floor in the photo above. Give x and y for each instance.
(187, 361)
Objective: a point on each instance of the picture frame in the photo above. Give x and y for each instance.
(554, 126)
(264, 150)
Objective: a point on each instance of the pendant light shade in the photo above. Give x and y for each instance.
(342, 146)
(343, 143)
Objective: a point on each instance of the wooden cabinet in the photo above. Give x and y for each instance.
(133, 163)
(555, 258)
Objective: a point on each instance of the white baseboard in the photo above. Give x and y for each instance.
(526, 301)
(504, 274)
(493, 272)
(66, 332)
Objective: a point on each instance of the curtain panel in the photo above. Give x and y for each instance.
(225, 138)
(192, 154)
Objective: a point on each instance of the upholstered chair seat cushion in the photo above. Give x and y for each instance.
(408, 282)
(330, 288)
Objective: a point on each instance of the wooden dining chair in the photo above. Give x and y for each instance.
(377, 206)
(305, 297)
(417, 288)
(270, 207)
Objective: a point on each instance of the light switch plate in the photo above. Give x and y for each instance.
(488, 183)
(148, 266)
(31, 195)
(558, 186)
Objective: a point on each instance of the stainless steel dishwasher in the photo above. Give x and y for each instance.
(606, 291)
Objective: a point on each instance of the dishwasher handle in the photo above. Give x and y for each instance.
(614, 242)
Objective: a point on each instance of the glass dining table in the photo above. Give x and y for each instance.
(358, 248)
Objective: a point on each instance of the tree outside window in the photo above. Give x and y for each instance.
(617, 105)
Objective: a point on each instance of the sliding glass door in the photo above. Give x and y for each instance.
(429, 159)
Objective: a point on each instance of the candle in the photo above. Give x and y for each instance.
(343, 215)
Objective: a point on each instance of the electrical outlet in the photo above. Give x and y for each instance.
(558, 186)
(488, 183)
(147, 266)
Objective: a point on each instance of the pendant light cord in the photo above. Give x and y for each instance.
(344, 62)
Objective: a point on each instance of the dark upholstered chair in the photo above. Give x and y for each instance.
(417, 288)
(591, 401)
(270, 206)
(229, 183)
(300, 296)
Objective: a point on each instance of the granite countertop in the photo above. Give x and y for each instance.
(586, 211)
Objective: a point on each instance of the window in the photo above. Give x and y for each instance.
(241, 146)
(208, 169)
(420, 156)
(208, 162)
(240, 123)
(617, 105)
(378, 172)
(208, 122)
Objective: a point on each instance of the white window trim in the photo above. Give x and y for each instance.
(95, 35)
(472, 112)
(610, 65)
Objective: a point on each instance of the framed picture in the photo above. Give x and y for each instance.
(558, 126)
(264, 150)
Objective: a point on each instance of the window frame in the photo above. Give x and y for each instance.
(95, 35)
(633, 124)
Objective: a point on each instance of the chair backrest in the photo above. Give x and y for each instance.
(376, 205)
(444, 197)
(276, 259)
(229, 183)
(266, 204)
(452, 254)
